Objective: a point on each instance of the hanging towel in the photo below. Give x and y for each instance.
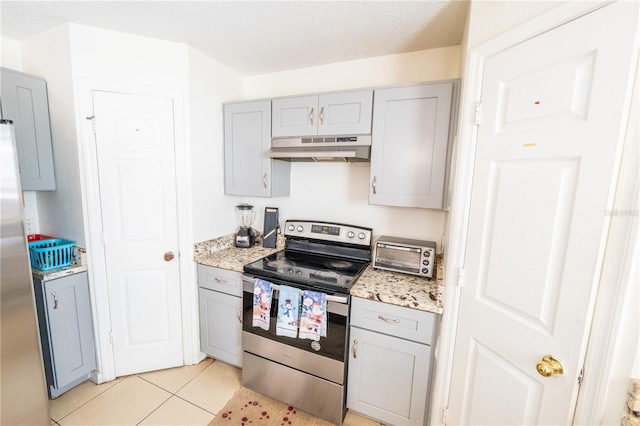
(288, 304)
(261, 303)
(313, 318)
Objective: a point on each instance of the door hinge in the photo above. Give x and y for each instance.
(111, 337)
(476, 118)
(460, 277)
(93, 122)
(581, 376)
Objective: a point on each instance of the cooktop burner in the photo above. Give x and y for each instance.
(310, 270)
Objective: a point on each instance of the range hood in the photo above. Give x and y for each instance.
(319, 148)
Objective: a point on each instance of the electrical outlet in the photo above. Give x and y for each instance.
(30, 224)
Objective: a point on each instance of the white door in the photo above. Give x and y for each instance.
(546, 154)
(135, 147)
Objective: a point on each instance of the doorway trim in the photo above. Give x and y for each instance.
(87, 157)
(603, 315)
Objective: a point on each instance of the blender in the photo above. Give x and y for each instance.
(245, 235)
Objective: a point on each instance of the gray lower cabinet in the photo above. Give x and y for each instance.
(220, 300)
(248, 169)
(410, 137)
(390, 361)
(24, 101)
(66, 331)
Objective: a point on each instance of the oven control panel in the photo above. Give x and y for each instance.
(328, 232)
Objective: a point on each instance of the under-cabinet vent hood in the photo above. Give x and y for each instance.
(327, 148)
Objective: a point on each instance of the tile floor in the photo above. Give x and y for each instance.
(189, 395)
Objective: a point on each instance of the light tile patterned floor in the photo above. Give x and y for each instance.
(189, 395)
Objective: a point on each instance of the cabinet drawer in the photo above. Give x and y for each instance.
(411, 324)
(222, 280)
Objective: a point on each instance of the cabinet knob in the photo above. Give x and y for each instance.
(55, 300)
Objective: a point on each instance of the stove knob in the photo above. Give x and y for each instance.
(290, 271)
(361, 235)
(351, 234)
(299, 273)
(291, 227)
(425, 271)
(300, 228)
(425, 262)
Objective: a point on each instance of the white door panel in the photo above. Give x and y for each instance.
(135, 146)
(546, 154)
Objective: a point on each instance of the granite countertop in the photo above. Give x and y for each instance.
(78, 264)
(383, 286)
(221, 253)
(402, 289)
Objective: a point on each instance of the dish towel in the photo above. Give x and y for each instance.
(261, 303)
(288, 305)
(313, 319)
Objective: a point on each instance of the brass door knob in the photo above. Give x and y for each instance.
(549, 366)
(168, 256)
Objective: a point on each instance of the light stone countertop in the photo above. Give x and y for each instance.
(385, 286)
(221, 253)
(400, 289)
(78, 264)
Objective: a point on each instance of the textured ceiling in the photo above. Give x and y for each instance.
(256, 37)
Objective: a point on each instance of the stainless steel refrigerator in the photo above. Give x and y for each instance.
(23, 391)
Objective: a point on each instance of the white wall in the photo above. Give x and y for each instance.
(405, 68)
(489, 19)
(10, 54)
(210, 84)
(338, 191)
(60, 211)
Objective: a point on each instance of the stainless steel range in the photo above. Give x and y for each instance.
(309, 373)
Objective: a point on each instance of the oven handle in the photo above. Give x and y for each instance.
(248, 287)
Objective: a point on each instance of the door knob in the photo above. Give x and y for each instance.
(549, 366)
(168, 256)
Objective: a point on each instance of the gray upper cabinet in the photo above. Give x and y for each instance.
(248, 170)
(340, 113)
(410, 137)
(24, 101)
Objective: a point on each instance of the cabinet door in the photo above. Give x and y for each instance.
(409, 145)
(346, 113)
(388, 377)
(295, 117)
(247, 139)
(24, 100)
(221, 326)
(70, 328)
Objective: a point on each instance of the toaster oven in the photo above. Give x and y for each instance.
(405, 255)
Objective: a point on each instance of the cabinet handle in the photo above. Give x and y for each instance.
(264, 180)
(219, 281)
(240, 316)
(311, 115)
(322, 115)
(393, 321)
(55, 300)
(355, 347)
(374, 185)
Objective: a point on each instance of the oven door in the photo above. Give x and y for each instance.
(299, 353)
